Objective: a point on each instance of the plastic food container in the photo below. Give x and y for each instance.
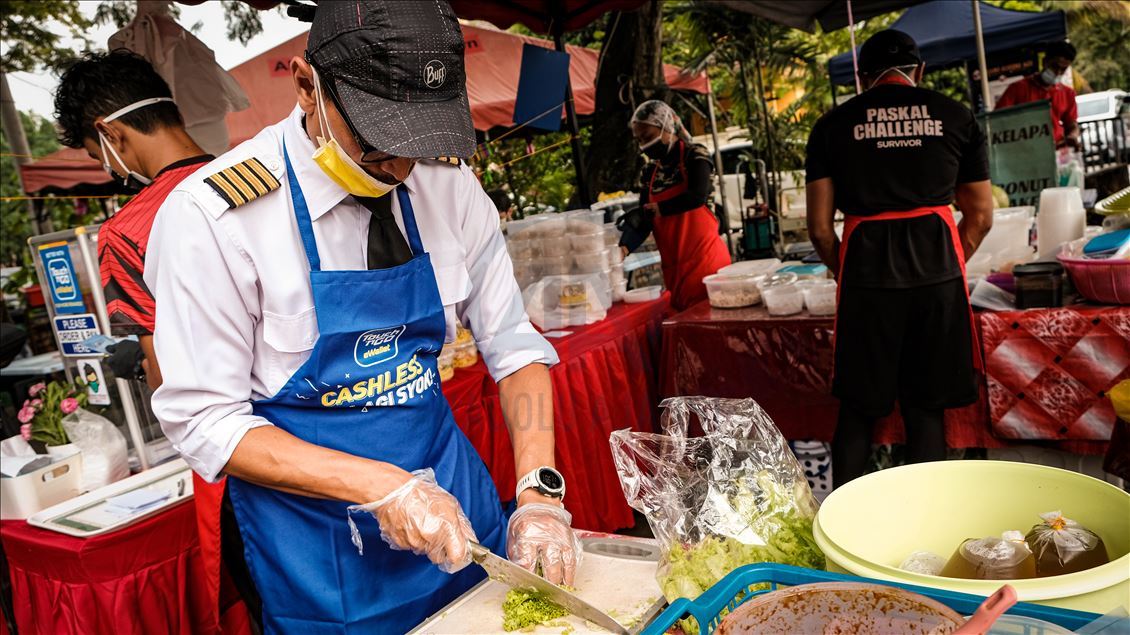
(585, 221)
(446, 363)
(732, 292)
(1106, 280)
(1061, 218)
(523, 248)
(554, 265)
(466, 354)
(523, 229)
(611, 235)
(615, 256)
(751, 267)
(1039, 284)
(940, 504)
(1011, 228)
(645, 294)
(783, 299)
(619, 288)
(587, 243)
(553, 247)
(590, 263)
(820, 297)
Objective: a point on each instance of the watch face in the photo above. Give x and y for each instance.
(550, 479)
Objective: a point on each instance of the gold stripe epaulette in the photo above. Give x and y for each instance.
(451, 160)
(243, 182)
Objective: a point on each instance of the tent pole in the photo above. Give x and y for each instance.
(725, 220)
(987, 102)
(574, 129)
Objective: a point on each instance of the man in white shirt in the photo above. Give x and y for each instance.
(301, 305)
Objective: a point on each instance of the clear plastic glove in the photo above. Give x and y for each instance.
(421, 517)
(540, 534)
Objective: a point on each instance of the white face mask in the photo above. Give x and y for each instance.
(1049, 77)
(908, 78)
(132, 180)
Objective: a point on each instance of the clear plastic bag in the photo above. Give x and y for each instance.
(1062, 546)
(734, 496)
(105, 458)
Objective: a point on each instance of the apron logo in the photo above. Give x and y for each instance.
(376, 346)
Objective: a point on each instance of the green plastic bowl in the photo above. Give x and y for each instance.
(869, 526)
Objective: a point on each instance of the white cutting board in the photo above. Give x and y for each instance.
(616, 575)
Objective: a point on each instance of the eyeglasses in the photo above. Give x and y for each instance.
(369, 154)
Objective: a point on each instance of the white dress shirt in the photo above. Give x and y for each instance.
(235, 313)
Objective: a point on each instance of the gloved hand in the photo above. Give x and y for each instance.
(422, 517)
(124, 358)
(539, 533)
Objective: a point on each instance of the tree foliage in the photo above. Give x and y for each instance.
(30, 39)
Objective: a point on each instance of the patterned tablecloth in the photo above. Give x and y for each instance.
(1048, 370)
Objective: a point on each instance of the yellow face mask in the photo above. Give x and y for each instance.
(337, 164)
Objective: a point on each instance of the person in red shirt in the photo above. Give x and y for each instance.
(121, 111)
(1046, 85)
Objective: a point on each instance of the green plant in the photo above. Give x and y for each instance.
(43, 412)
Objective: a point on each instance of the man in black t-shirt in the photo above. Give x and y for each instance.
(892, 160)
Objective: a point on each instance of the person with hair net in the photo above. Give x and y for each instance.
(675, 191)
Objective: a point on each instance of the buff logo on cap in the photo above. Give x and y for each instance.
(376, 346)
(434, 74)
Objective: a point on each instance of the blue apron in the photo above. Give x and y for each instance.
(370, 388)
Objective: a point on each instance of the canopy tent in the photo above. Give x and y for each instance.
(806, 14)
(946, 35)
(493, 64)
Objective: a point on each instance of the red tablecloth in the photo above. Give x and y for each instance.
(606, 381)
(146, 578)
(786, 365)
(1048, 371)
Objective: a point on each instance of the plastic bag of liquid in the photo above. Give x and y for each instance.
(734, 496)
(1062, 546)
(924, 562)
(105, 458)
(992, 558)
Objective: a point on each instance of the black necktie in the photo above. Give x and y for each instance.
(387, 247)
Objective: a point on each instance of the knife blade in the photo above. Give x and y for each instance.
(516, 577)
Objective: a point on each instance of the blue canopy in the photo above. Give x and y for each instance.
(944, 32)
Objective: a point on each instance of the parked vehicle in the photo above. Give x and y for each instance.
(1104, 122)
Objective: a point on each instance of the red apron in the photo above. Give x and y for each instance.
(230, 617)
(943, 212)
(688, 242)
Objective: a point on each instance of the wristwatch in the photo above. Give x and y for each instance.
(545, 480)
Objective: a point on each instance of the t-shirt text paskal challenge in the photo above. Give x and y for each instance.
(898, 148)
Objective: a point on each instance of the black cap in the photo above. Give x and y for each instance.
(398, 70)
(888, 49)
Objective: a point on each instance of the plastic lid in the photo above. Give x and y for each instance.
(778, 280)
(1038, 269)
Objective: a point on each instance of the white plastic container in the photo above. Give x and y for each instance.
(589, 242)
(590, 263)
(23, 496)
(615, 256)
(619, 288)
(554, 247)
(783, 299)
(751, 267)
(1061, 219)
(645, 294)
(616, 273)
(732, 292)
(820, 297)
(585, 221)
(523, 248)
(611, 235)
(522, 229)
(554, 265)
(1011, 226)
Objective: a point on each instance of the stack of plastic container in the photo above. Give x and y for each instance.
(576, 246)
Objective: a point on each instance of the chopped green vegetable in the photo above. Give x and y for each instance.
(1000, 197)
(524, 608)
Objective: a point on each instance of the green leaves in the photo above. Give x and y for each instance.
(29, 43)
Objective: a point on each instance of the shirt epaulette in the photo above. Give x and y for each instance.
(243, 182)
(448, 160)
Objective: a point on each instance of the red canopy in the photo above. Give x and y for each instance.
(494, 60)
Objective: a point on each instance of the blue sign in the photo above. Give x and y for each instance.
(541, 88)
(61, 279)
(73, 331)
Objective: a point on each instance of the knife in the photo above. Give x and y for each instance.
(514, 576)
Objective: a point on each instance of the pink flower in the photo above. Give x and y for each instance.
(25, 431)
(36, 389)
(26, 414)
(36, 403)
(68, 405)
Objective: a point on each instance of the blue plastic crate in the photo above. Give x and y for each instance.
(710, 606)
